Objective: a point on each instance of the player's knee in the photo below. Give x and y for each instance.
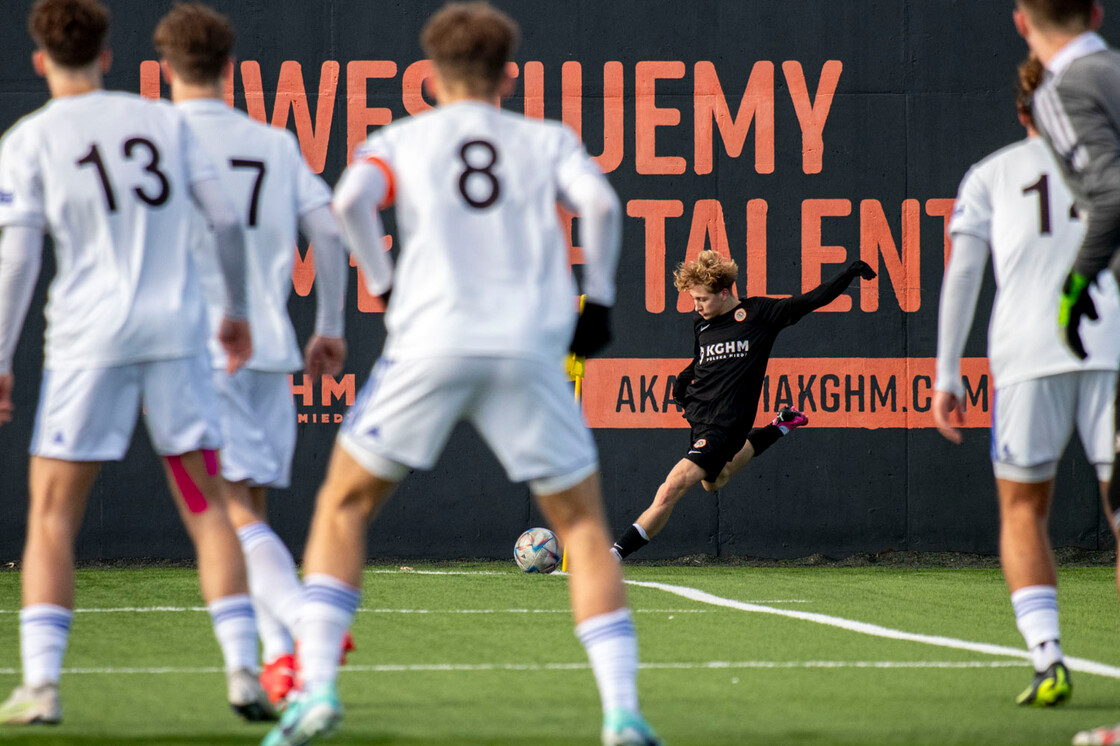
(346, 501)
(671, 491)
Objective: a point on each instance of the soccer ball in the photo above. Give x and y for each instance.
(537, 551)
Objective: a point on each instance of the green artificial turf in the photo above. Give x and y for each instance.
(489, 657)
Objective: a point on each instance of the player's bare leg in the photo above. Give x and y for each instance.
(59, 490)
(1024, 539)
(603, 620)
(221, 567)
(58, 499)
(336, 549)
(349, 499)
(197, 489)
(1112, 512)
(680, 480)
(595, 580)
(1028, 567)
(742, 458)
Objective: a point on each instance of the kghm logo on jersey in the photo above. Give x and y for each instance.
(733, 348)
(740, 314)
(700, 443)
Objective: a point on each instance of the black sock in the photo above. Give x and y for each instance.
(631, 541)
(763, 437)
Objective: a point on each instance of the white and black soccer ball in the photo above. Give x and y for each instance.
(537, 551)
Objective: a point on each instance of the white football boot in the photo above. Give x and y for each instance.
(32, 705)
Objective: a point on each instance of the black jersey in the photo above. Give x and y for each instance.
(722, 384)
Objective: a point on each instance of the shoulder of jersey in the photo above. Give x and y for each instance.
(1006, 153)
(1106, 61)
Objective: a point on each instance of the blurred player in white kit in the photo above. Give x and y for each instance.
(1014, 208)
(116, 180)
(483, 310)
(262, 170)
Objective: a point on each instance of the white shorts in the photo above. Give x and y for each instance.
(523, 409)
(1032, 422)
(90, 414)
(258, 419)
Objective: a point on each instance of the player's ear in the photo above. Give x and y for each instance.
(105, 61)
(1019, 18)
(166, 71)
(434, 84)
(1096, 17)
(39, 63)
(227, 70)
(508, 81)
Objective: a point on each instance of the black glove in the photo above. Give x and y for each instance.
(860, 268)
(593, 330)
(1075, 303)
(680, 389)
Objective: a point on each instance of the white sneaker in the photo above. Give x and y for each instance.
(1098, 737)
(627, 728)
(247, 698)
(38, 705)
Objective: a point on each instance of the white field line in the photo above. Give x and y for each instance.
(1076, 664)
(474, 667)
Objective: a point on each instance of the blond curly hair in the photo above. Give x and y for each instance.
(710, 270)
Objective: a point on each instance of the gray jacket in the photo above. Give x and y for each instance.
(1077, 111)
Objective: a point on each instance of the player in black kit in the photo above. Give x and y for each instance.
(720, 388)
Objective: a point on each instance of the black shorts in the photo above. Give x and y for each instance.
(712, 447)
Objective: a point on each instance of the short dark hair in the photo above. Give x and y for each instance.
(470, 43)
(1026, 83)
(71, 32)
(196, 41)
(1070, 15)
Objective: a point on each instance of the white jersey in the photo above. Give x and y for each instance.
(263, 172)
(108, 175)
(484, 261)
(1017, 201)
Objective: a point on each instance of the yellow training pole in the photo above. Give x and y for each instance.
(577, 366)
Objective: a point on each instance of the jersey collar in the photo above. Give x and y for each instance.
(1081, 46)
(204, 104)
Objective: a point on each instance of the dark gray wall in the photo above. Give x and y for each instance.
(925, 91)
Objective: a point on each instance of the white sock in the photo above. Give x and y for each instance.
(43, 632)
(1036, 615)
(272, 573)
(1045, 655)
(275, 639)
(328, 609)
(235, 626)
(612, 648)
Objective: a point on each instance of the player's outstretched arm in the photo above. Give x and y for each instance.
(357, 197)
(21, 253)
(593, 199)
(828, 291)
